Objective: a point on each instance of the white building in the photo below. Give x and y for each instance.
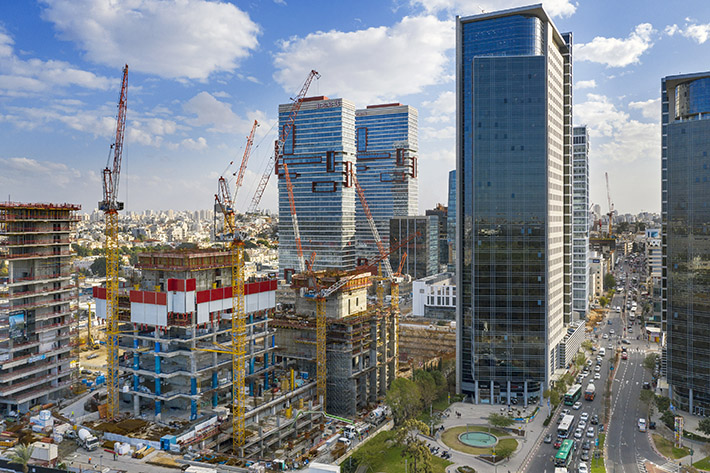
(580, 222)
(654, 255)
(434, 296)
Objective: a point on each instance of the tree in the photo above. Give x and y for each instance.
(404, 399)
(98, 267)
(647, 397)
(609, 281)
(603, 301)
(587, 344)
(503, 451)
(21, 455)
(552, 395)
(669, 419)
(4, 271)
(663, 403)
(704, 426)
(413, 447)
(427, 387)
(650, 361)
(500, 421)
(579, 360)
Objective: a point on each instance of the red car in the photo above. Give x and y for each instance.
(558, 443)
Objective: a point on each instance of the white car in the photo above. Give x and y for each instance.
(611, 331)
(583, 468)
(582, 425)
(590, 432)
(584, 416)
(597, 376)
(577, 406)
(605, 336)
(597, 368)
(578, 434)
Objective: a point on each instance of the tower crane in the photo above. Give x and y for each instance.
(611, 205)
(225, 201)
(320, 294)
(110, 206)
(279, 147)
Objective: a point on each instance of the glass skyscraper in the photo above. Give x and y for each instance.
(320, 155)
(685, 212)
(513, 187)
(422, 251)
(451, 221)
(580, 222)
(387, 146)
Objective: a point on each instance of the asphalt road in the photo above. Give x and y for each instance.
(543, 461)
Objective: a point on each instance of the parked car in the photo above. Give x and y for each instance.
(548, 438)
(583, 468)
(594, 420)
(590, 432)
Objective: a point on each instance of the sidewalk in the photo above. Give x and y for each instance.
(477, 414)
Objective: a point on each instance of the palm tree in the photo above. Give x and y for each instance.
(21, 454)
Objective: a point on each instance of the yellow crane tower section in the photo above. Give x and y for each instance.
(110, 206)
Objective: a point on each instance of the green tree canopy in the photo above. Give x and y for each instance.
(98, 267)
(704, 426)
(415, 449)
(404, 399)
(500, 421)
(609, 281)
(650, 361)
(504, 450)
(21, 455)
(427, 387)
(663, 403)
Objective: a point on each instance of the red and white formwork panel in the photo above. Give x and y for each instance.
(152, 308)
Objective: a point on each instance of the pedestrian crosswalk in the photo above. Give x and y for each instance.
(641, 463)
(670, 467)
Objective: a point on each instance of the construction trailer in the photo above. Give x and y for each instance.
(181, 306)
(37, 324)
(361, 345)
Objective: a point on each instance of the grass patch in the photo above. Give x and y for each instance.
(703, 464)
(451, 438)
(386, 457)
(668, 449)
(597, 464)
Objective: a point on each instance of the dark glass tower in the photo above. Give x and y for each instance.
(513, 191)
(685, 208)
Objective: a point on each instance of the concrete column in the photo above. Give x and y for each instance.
(136, 405)
(525, 394)
(475, 389)
(690, 401)
(193, 403)
(157, 372)
(508, 392)
(215, 384)
(492, 386)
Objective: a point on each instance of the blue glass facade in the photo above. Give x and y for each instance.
(320, 155)
(513, 163)
(580, 222)
(387, 145)
(451, 221)
(422, 251)
(685, 210)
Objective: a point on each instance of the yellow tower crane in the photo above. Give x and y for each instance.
(110, 206)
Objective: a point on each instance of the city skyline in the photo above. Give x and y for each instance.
(193, 98)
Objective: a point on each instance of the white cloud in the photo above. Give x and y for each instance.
(585, 84)
(562, 8)
(615, 52)
(179, 39)
(430, 133)
(37, 175)
(21, 77)
(700, 33)
(218, 116)
(650, 108)
(614, 135)
(371, 65)
(195, 145)
(442, 109)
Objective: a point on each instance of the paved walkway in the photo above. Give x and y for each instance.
(477, 414)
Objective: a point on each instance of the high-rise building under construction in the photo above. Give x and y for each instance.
(36, 324)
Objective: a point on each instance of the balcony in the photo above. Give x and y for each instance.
(14, 295)
(35, 243)
(37, 279)
(39, 255)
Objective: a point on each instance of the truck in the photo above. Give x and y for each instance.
(87, 440)
(378, 415)
(590, 392)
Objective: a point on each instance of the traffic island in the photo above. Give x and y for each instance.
(456, 438)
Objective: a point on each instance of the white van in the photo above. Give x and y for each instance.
(602, 352)
(642, 425)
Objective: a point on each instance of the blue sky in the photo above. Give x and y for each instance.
(201, 71)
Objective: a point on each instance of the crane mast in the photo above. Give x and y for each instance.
(280, 143)
(611, 205)
(110, 206)
(245, 159)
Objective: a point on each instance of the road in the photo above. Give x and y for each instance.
(543, 459)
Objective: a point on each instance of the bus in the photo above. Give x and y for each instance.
(573, 395)
(565, 427)
(565, 453)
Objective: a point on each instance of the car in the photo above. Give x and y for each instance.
(611, 346)
(558, 443)
(548, 438)
(597, 376)
(594, 420)
(584, 416)
(646, 385)
(597, 368)
(584, 456)
(582, 424)
(631, 330)
(578, 434)
(577, 406)
(652, 425)
(625, 341)
(590, 432)
(605, 336)
(565, 411)
(611, 331)
(583, 468)
(586, 445)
